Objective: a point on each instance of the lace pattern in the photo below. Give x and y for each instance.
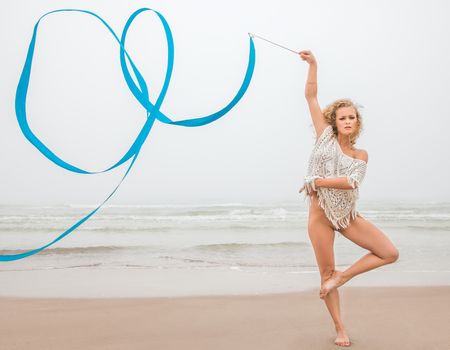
(327, 160)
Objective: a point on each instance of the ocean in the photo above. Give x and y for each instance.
(238, 238)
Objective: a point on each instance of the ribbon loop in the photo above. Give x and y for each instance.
(139, 89)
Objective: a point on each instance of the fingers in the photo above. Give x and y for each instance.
(306, 55)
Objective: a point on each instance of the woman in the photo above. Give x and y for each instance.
(335, 171)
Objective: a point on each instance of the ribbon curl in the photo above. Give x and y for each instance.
(138, 88)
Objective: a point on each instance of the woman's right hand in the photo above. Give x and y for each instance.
(307, 56)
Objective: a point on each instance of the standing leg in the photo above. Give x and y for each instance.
(322, 236)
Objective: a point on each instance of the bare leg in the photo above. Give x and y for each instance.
(333, 304)
(368, 236)
(322, 236)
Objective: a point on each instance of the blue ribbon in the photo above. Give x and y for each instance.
(139, 89)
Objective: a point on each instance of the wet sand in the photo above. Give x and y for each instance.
(375, 317)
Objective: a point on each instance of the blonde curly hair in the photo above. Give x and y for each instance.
(330, 116)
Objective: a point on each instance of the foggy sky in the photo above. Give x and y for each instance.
(390, 57)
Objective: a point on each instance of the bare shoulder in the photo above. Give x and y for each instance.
(362, 155)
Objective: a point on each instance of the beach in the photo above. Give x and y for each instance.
(228, 276)
(376, 318)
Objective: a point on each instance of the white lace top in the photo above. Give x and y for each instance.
(328, 160)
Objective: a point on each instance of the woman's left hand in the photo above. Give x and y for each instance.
(310, 184)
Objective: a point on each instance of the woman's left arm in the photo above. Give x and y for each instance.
(352, 180)
(333, 182)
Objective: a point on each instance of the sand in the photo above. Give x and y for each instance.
(376, 318)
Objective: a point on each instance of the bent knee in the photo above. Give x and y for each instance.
(392, 255)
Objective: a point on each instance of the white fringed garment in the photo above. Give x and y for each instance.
(327, 160)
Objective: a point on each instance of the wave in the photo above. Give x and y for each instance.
(241, 246)
(159, 206)
(202, 247)
(234, 217)
(181, 216)
(69, 250)
(234, 263)
(215, 227)
(267, 226)
(428, 227)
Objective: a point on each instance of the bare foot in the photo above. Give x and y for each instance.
(342, 338)
(336, 280)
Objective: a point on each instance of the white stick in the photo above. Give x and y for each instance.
(284, 47)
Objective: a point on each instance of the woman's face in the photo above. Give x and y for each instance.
(346, 120)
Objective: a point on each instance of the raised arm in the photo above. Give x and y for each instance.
(311, 93)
